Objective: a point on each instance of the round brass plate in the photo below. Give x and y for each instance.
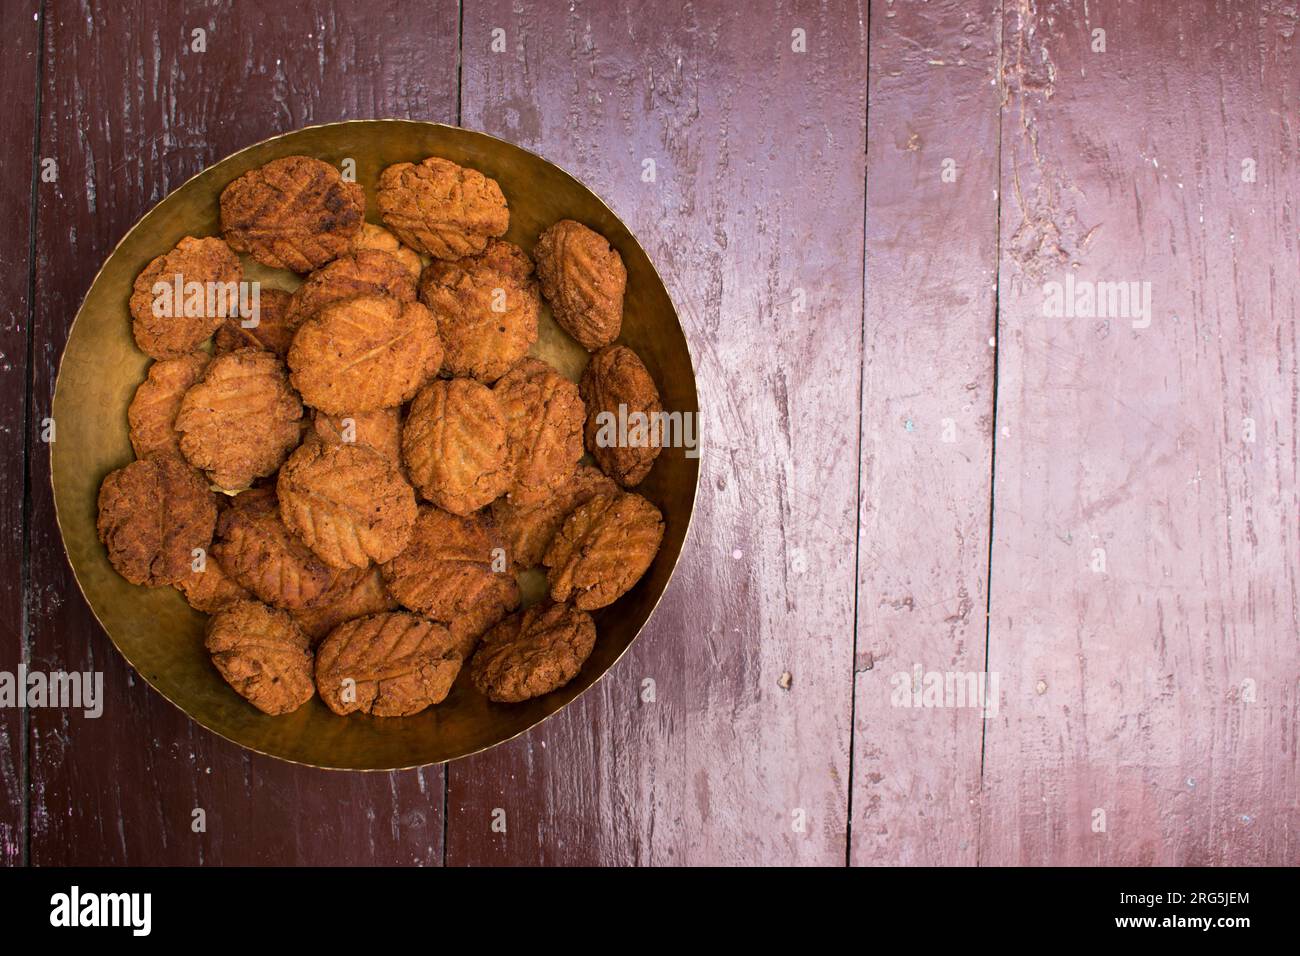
(159, 634)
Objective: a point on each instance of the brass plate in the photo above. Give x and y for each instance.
(159, 634)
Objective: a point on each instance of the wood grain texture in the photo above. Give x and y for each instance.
(927, 409)
(129, 112)
(755, 211)
(1161, 688)
(18, 69)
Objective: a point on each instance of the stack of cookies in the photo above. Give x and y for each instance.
(349, 476)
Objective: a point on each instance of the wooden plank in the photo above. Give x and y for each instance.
(927, 409)
(1149, 703)
(18, 71)
(129, 112)
(756, 208)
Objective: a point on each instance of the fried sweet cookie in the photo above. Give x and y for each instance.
(380, 429)
(468, 628)
(533, 653)
(260, 554)
(486, 307)
(602, 549)
(272, 332)
(616, 386)
(347, 600)
(241, 420)
(168, 326)
(293, 213)
(152, 412)
(454, 445)
(263, 655)
(152, 515)
(440, 208)
(364, 353)
(348, 503)
(544, 418)
(377, 237)
(529, 529)
(454, 567)
(367, 272)
(211, 589)
(388, 665)
(583, 278)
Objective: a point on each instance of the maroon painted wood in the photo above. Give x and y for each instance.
(17, 118)
(129, 112)
(927, 406)
(1149, 702)
(840, 339)
(755, 211)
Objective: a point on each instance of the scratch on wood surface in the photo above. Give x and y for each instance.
(1049, 234)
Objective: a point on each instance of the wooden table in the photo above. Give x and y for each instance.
(915, 470)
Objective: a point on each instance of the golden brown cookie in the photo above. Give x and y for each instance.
(442, 209)
(467, 629)
(486, 307)
(211, 589)
(380, 429)
(347, 600)
(260, 554)
(454, 567)
(623, 410)
(293, 213)
(241, 420)
(583, 279)
(167, 326)
(364, 353)
(388, 665)
(377, 237)
(347, 503)
(263, 655)
(544, 418)
(529, 529)
(272, 331)
(152, 515)
(454, 445)
(533, 652)
(368, 272)
(152, 413)
(602, 549)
